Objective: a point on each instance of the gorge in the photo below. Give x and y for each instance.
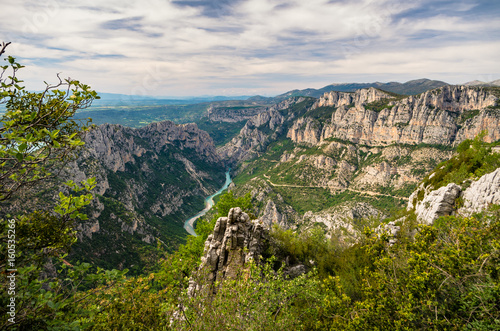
(305, 161)
(209, 202)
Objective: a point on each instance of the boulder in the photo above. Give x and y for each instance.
(481, 193)
(437, 203)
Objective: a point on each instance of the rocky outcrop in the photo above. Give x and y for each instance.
(434, 117)
(441, 202)
(235, 241)
(481, 193)
(437, 203)
(338, 99)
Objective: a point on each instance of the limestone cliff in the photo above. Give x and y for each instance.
(115, 145)
(360, 97)
(148, 181)
(437, 203)
(367, 145)
(258, 132)
(481, 193)
(444, 116)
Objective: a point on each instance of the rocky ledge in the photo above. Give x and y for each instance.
(443, 201)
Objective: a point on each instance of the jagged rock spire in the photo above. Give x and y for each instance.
(235, 241)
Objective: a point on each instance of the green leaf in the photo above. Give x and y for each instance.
(23, 147)
(20, 157)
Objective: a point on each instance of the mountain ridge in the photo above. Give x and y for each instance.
(408, 88)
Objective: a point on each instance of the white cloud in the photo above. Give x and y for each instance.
(157, 47)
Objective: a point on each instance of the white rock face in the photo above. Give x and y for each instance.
(338, 99)
(430, 117)
(271, 215)
(437, 203)
(481, 193)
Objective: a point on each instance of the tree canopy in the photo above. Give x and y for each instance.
(37, 138)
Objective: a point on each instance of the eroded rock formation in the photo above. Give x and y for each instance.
(437, 203)
(235, 241)
(144, 176)
(481, 193)
(441, 202)
(255, 134)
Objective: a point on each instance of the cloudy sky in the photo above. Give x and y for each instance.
(248, 47)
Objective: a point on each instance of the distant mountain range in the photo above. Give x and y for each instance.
(409, 88)
(480, 83)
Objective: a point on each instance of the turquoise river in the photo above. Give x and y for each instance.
(209, 202)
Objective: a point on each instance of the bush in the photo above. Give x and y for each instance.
(474, 159)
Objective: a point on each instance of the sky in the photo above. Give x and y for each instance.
(250, 47)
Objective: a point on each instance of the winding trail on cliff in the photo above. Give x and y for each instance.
(327, 187)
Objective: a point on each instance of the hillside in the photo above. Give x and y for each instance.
(379, 281)
(148, 182)
(241, 274)
(360, 154)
